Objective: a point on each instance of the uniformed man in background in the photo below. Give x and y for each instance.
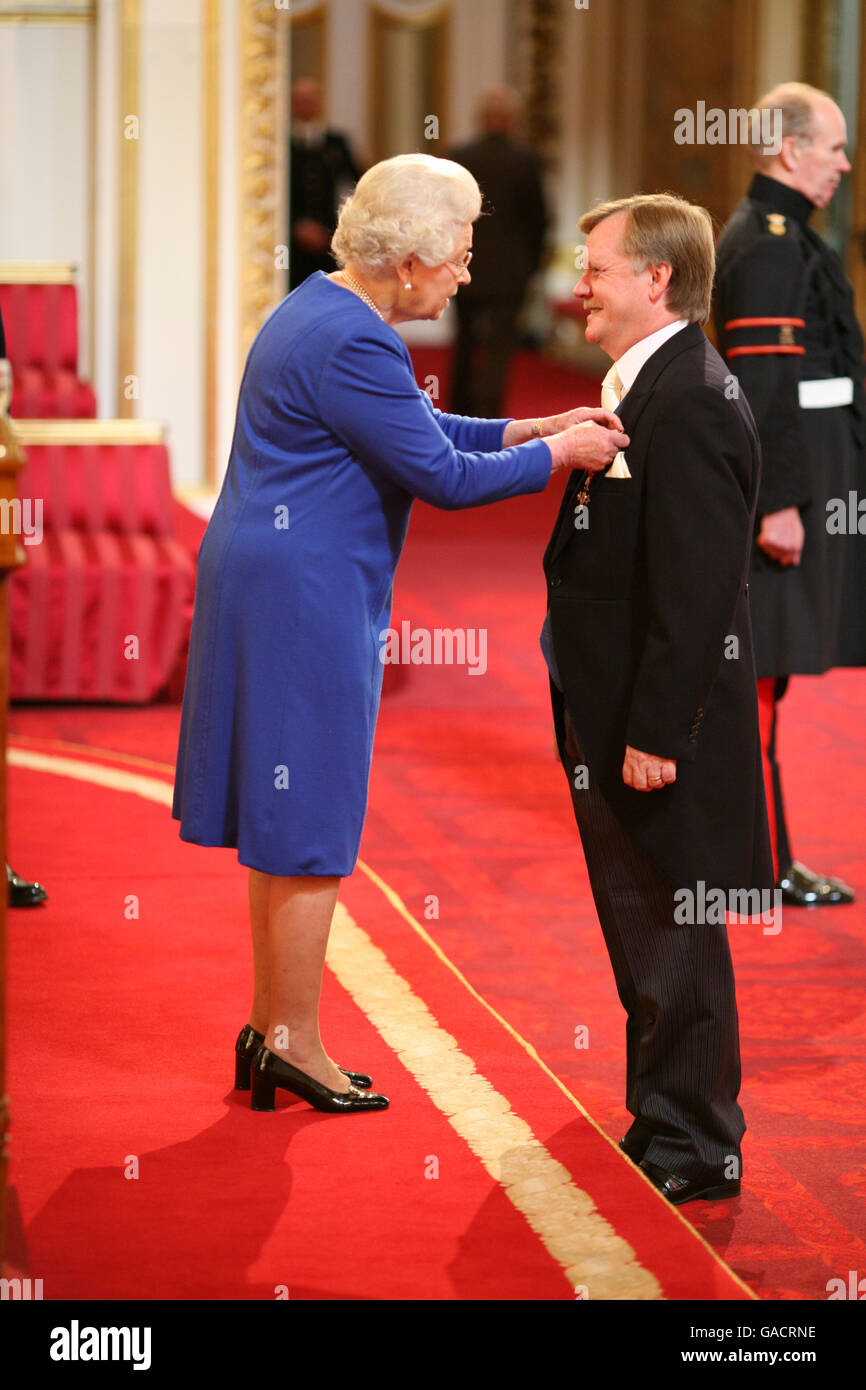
(786, 325)
(322, 171)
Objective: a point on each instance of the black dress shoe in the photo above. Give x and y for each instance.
(709, 1187)
(248, 1044)
(803, 888)
(269, 1071)
(22, 893)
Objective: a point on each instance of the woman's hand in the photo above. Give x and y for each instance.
(587, 445)
(523, 431)
(554, 424)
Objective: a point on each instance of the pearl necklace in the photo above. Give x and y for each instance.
(362, 293)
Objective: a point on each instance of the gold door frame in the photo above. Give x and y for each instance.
(261, 175)
(435, 17)
(317, 17)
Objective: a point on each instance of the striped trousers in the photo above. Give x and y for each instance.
(676, 984)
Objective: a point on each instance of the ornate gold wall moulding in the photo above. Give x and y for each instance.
(38, 273)
(24, 12)
(89, 431)
(262, 221)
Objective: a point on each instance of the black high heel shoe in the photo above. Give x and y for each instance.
(269, 1071)
(248, 1044)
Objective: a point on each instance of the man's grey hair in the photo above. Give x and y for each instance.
(796, 101)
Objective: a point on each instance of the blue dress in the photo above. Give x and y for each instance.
(333, 440)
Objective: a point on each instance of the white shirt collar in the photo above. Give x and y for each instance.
(634, 357)
(308, 132)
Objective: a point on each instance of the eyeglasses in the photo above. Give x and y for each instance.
(461, 264)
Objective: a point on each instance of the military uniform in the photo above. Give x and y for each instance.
(787, 328)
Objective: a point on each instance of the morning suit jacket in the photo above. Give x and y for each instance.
(650, 626)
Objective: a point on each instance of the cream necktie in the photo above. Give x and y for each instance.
(611, 395)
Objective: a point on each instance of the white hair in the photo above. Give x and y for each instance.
(411, 205)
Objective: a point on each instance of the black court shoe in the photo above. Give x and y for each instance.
(248, 1044)
(268, 1071)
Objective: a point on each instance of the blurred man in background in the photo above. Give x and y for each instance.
(323, 170)
(506, 253)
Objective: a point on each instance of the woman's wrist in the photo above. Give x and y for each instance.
(521, 431)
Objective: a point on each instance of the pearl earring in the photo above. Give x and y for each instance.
(408, 285)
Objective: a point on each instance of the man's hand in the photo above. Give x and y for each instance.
(781, 536)
(647, 773)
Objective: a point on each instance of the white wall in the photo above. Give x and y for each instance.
(45, 149)
(105, 102)
(228, 301)
(169, 295)
(779, 46)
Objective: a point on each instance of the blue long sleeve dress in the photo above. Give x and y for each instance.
(333, 440)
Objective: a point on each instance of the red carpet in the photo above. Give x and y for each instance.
(133, 1018)
(140, 1174)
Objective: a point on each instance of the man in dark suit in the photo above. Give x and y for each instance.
(322, 170)
(649, 644)
(506, 254)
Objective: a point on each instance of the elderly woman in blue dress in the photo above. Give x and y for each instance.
(333, 441)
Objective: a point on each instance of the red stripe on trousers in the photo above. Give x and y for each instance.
(766, 715)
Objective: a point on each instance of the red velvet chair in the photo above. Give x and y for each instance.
(102, 608)
(39, 304)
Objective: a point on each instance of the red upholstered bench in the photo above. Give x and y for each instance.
(40, 394)
(39, 304)
(101, 609)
